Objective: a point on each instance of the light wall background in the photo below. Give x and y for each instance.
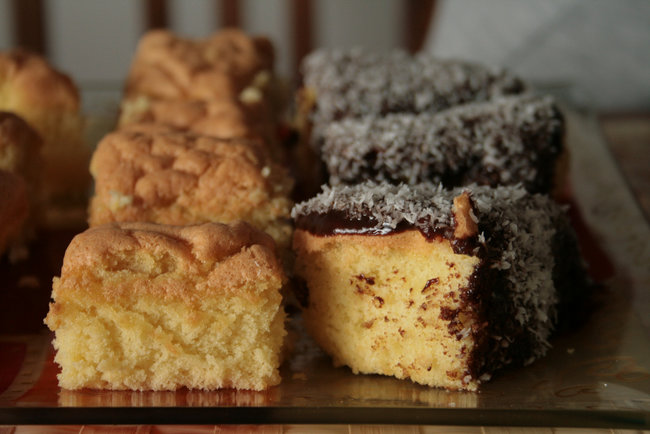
(595, 53)
(94, 39)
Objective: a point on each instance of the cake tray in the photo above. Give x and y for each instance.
(597, 375)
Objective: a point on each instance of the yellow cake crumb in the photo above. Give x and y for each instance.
(381, 304)
(142, 306)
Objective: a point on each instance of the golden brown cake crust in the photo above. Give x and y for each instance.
(305, 241)
(167, 66)
(30, 78)
(142, 306)
(223, 118)
(219, 118)
(148, 174)
(193, 249)
(464, 217)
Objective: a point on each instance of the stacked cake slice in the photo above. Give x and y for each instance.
(176, 284)
(436, 253)
(505, 141)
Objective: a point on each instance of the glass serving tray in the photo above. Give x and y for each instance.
(595, 376)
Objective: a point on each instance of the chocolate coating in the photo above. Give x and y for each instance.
(506, 141)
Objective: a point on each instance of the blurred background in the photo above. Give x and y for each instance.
(592, 55)
(596, 53)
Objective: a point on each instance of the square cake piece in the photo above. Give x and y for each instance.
(149, 173)
(505, 141)
(443, 287)
(355, 83)
(142, 306)
(228, 64)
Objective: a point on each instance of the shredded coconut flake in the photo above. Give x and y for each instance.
(508, 140)
(354, 83)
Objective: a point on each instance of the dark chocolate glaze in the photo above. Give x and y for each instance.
(337, 222)
(356, 83)
(487, 294)
(490, 143)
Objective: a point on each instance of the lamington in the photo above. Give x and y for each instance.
(227, 65)
(339, 84)
(505, 141)
(442, 287)
(48, 100)
(148, 173)
(140, 306)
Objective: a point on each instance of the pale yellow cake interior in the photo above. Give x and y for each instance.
(375, 304)
(154, 174)
(154, 319)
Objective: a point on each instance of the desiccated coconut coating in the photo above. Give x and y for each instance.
(221, 66)
(506, 141)
(526, 248)
(223, 118)
(355, 83)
